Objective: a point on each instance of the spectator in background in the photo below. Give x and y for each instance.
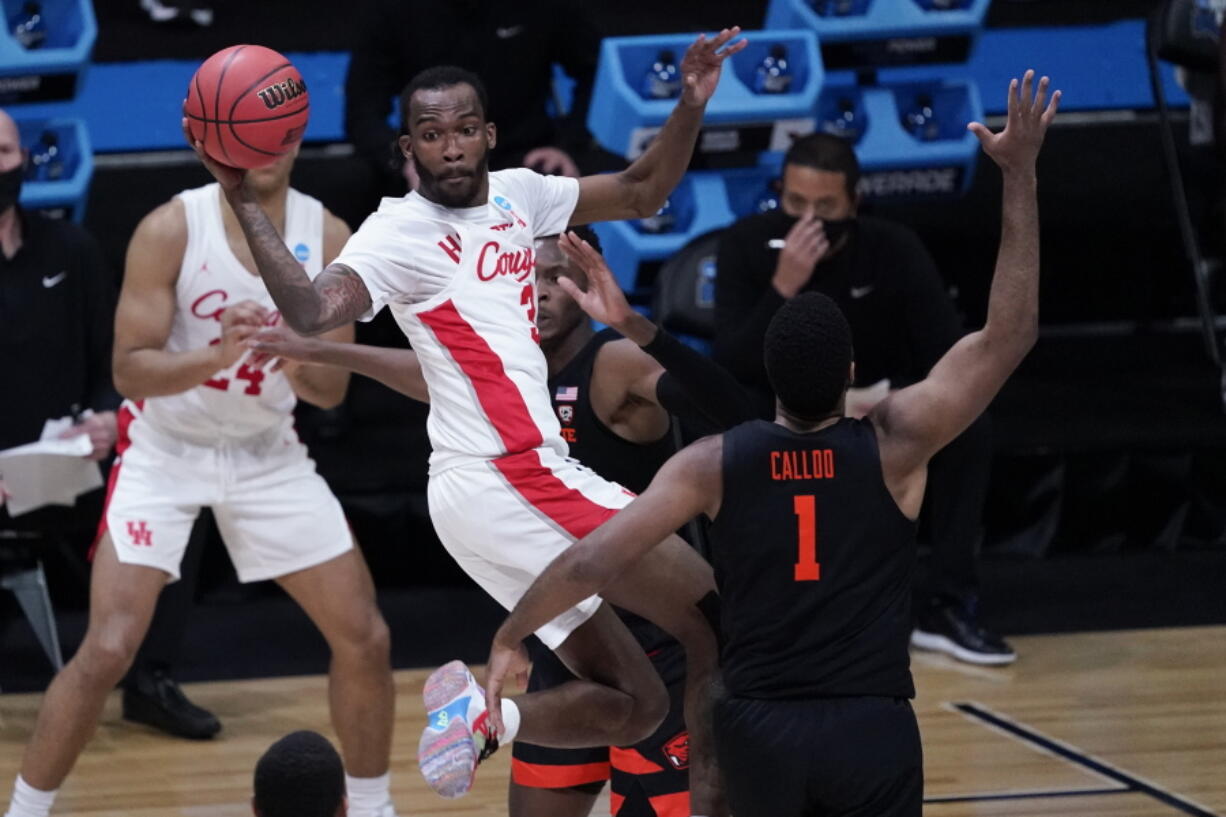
(56, 305)
(57, 308)
(301, 775)
(511, 46)
(57, 302)
(902, 322)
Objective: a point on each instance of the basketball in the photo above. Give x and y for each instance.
(247, 105)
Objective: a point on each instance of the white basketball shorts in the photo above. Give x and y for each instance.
(505, 520)
(275, 513)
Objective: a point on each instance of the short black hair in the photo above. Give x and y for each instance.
(586, 233)
(808, 355)
(437, 78)
(824, 151)
(301, 775)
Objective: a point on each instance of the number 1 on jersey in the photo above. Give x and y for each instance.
(807, 567)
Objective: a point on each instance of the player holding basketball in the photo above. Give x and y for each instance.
(614, 392)
(203, 425)
(455, 261)
(813, 537)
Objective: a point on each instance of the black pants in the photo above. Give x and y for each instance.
(827, 757)
(957, 489)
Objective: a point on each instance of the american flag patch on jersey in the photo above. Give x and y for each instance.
(566, 394)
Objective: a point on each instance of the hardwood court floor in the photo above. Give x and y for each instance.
(1121, 723)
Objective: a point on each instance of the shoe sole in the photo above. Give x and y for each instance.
(444, 684)
(447, 759)
(939, 643)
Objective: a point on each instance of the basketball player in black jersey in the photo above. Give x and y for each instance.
(813, 537)
(615, 392)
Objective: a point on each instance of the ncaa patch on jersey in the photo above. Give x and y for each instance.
(302, 252)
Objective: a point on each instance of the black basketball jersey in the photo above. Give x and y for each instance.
(632, 465)
(594, 444)
(813, 560)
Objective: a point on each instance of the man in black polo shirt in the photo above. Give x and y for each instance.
(57, 313)
(902, 322)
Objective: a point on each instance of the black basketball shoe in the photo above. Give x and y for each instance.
(948, 625)
(155, 699)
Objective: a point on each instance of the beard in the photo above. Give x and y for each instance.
(452, 195)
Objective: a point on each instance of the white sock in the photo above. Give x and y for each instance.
(510, 719)
(29, 801)
(368, 796)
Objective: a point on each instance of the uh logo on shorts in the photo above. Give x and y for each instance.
(139, 533)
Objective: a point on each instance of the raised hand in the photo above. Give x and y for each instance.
(700, 67)
(804, 245)
(1017, 146)
(603, 300)
(230, 178)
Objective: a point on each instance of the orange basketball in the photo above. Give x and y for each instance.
(248, 105)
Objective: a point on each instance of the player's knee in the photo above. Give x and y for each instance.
(649, 706)
(378, 638)
(104, 657)
(368, 638)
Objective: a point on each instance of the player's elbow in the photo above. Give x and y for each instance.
(126, 380)
(1026, 334)
(648, 202)
(1010, 344)
(586, 569)
(641, 198)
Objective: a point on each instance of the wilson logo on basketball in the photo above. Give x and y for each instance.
(276, 95)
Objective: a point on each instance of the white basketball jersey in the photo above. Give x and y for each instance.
(462, 285)
(240, 401)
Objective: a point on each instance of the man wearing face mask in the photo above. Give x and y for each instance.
(56, 304)
(902, 322)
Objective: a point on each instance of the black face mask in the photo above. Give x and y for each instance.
(10, 187)
(835, 229)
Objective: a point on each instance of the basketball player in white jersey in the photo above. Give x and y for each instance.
(204, 425)
(455, 262)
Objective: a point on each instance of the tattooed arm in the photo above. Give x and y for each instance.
(336, 297)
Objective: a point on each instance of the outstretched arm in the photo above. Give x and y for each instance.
(398, 369)
(336, 297)
(663, 370)
(918, 421)
(641, 189)
(689, 484)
